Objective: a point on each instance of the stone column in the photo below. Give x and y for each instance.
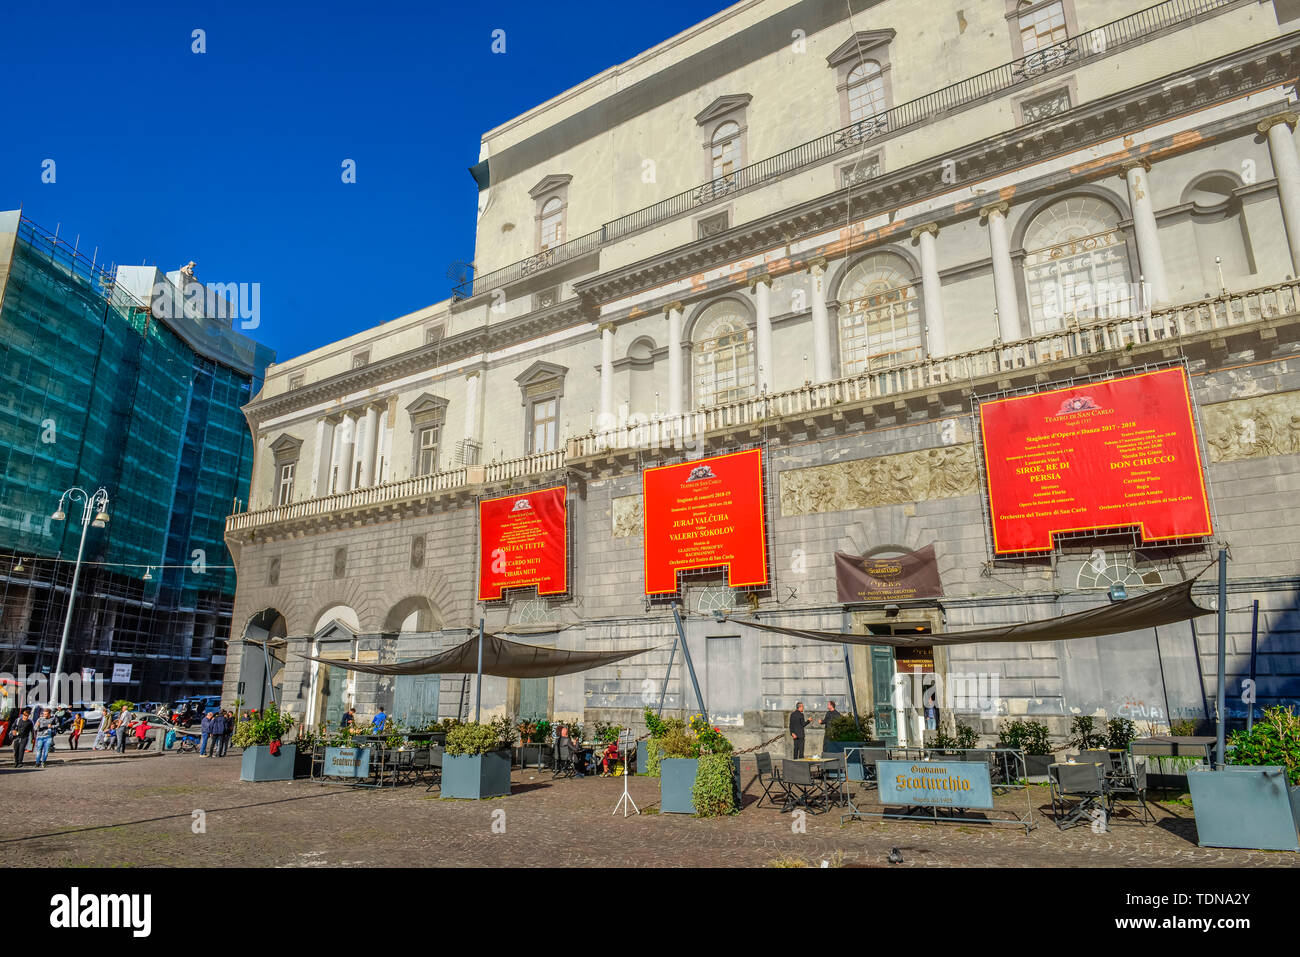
(1148, 236)
(1286, 167)
(335, 457)
(936, 340)
(473, 384)
(606, 419)
(349, 451)
(383, 455)
(674, 313)
(821, 323)
(1004, 277)
(762, 287)
(370, 448)
(320, 463)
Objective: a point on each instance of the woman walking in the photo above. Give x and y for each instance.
(78, 725)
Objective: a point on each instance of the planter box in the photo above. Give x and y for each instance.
(258, 764)
(476, 776)
(642, 758)
(676, 778)
(1245, 806)
(854, 762)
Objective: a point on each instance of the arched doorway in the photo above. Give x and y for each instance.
(333, 690)
(415, 698)
(261, 666)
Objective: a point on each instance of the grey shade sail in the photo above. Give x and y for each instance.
(502, 658)
(1165, 606)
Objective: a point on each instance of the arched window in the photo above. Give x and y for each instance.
(552, 223)
(1076, 264)
(726, 149)
(880, 324)
(866, 89)
(722, 361)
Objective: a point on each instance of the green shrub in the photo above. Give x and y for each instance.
(474, 738)
(1082, 735)
(967, 737)
(653, 752)
(845, 727)
(506, 731)
(607, 733)
(713, 792)
(1119, 732)
(1274, 740)
(1032, 737)
(677, 743)
(117, 707)
(1183, 727)
(269, 725)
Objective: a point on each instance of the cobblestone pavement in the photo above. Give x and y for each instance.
(103, 809)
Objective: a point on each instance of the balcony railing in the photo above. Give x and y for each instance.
(1126, 31)
(1077, 340)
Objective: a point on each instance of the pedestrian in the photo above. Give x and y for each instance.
(205, 730)
(348, 718)
(46, 728)
(380, 719)
(142, 734)
(123, 729)
(37, 711)
(831, 715)
(218, 729)
(105, 723)
(797, 724)
(20, 733)
(230, 730)
(78, 725)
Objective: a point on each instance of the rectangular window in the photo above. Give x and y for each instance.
(546, 425)
(334, 479)
(427, 463)
(712, 225)
(1042, 27)
(286, 485)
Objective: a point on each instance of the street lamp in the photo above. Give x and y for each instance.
(94, 513)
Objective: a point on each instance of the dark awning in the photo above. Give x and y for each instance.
(505, 659)
(1165, 606)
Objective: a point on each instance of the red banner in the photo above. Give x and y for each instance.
(1111, 454)
(705, 514)
(523, 540)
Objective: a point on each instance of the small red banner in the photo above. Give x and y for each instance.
(523, 540)
(705, 514)
(1111, 454)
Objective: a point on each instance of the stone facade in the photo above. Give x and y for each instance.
(848, 330)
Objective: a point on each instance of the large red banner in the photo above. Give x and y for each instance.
(1111, 454)
(705, 514)
(523, 540)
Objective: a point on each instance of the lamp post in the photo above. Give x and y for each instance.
(94, 512)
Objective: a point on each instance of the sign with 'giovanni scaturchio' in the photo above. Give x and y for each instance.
(933, 783)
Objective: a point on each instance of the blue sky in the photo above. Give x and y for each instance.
(233, 157)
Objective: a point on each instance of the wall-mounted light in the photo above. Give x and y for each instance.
(892, 611)
(1118, 592)
(148, 573)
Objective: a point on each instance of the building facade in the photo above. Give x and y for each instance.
(112, 380)
(829, 231)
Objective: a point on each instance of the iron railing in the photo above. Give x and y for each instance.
(1132, 29)
(1077, 340)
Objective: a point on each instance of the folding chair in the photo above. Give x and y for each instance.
(564, 763)
(1132, 780)
(769, 779)
(869, 758)
(800, 788)
(1085, 784)
(835, 780)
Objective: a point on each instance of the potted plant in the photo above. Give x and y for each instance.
(476, 763)
(1253, 801)
(697, 772)
(846, 731)
(649, 751)
(1083, 736)
(265, 758)
(1034, 739)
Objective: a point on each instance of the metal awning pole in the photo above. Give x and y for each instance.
(1223, 656)
(478, 689)
(853, 698)
(690, 666)
(1254, 648)
(663, 692)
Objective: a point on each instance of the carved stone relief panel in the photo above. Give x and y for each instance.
(627, 516)
(886, 480)
(1253, 428)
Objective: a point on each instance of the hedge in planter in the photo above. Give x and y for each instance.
(659, 728)
(700, 754)
(476, 763)
(256, 735)
(845, 732)
(1031, 737)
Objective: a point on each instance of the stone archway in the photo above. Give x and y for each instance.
(415, 613)
(261, 666)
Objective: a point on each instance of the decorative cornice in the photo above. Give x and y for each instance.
(1290, 119)
(1141, 163)
(1001, 208)
(859, 45)
(722, 106)
(931, 228)
(549, 184)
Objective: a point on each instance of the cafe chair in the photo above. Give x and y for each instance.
(1132, 780)
(835, 779)
(800, 788)
(435, 768)
(769, 779)
(1082, 784)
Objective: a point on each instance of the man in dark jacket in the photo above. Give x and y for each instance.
(797, 724)
(205, 729)
(831, 715)
(218, 730)
(20, 733)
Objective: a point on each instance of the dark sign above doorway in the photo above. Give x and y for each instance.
(887, 574)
